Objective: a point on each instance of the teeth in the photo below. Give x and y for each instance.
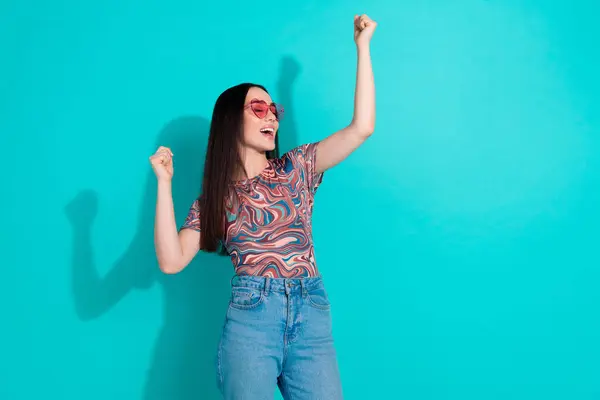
(267, 130)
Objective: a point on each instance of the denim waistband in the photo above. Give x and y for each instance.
(284, 285)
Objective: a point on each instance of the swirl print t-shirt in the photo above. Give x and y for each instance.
(269, 231)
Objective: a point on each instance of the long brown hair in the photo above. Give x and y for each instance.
(222, 160)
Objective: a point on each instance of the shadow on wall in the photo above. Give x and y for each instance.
(195, 300)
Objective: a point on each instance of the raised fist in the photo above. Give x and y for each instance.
(162, 163)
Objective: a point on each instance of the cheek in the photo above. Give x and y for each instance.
(250, 129)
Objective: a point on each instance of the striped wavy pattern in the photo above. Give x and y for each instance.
(269, 230)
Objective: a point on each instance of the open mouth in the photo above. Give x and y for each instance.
(268, 132)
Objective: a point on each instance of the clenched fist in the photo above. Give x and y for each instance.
(363, 29)
(162, 163)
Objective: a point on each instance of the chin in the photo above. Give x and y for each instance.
(262, 144)
(266, 146)
(267, 149)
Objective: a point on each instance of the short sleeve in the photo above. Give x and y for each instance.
(304, 158)
(192, 220)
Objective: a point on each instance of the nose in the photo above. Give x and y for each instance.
(271, 117)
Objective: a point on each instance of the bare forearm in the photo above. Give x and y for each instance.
(335, 148)
(364, 97)
(166, 238)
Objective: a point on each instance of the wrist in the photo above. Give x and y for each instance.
(164, 183)
(363, 47)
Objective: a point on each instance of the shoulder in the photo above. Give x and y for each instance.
(301, 151)
(299, 156)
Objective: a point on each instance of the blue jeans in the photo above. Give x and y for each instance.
(277, 332)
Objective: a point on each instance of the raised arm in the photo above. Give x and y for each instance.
(336, 147)
(174, 250)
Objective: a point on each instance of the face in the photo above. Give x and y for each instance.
(259, 133)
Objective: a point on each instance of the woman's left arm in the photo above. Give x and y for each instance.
(336, 147)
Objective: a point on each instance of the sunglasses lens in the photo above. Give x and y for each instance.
(277, 110)
(260, 109)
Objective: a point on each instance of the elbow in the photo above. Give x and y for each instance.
(364, 129)
(169, 268)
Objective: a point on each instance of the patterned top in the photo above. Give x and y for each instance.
(269, 231)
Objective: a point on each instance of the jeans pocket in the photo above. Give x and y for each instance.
(245, 298)
(318, 298)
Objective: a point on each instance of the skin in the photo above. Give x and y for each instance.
(175, 250)
(255, 144)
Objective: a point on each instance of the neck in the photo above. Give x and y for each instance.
(254, 163)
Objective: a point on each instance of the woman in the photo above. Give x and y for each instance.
(257, 209)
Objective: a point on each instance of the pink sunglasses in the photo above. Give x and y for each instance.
(260, 108)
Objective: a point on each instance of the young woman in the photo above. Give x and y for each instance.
(257, 209)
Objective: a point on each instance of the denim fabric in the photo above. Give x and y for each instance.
(278, 333)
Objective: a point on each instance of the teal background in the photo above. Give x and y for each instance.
(458, 244)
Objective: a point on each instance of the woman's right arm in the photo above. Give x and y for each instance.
(174, 250)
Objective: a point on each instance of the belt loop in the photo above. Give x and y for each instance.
(304, 291)
(267, 285)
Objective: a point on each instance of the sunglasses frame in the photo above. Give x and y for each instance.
(278, 108)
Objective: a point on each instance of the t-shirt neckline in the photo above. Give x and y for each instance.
(254, 178)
